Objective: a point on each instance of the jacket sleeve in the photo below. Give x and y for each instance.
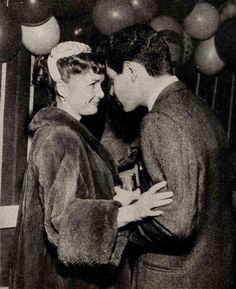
(169, 155)
(84, 230)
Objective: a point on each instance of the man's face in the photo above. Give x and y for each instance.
(124, 88)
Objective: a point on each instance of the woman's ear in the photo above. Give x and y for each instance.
(62, 88)
(130, 70)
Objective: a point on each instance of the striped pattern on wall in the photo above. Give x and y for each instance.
(14, 117)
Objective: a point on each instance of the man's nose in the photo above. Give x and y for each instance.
(111, 90)
(100, 93)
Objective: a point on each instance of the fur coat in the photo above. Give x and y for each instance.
(66, 235)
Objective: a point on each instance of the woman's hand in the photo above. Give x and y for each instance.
(126, 197)
(146, 206)
(149, 201)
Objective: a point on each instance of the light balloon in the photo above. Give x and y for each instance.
(206, 58)
(39, 40)
(203, 21)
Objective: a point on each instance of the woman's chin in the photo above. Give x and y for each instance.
(90, 111)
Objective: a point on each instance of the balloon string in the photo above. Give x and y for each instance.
(2, 109)
(198, 83)
(231, 106)
(31, 100)
(215, 92)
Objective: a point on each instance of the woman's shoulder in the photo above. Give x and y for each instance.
(57, 138)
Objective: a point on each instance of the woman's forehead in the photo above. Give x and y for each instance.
(89, 76)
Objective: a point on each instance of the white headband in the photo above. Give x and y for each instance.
(64, 49)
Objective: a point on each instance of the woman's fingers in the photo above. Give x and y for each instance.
(157, 187)
(164, 195)
(159, 203)
(119, 190)
(154, 213)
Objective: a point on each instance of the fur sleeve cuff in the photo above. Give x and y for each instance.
(88, 233)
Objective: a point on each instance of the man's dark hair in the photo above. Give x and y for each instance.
(139, 43)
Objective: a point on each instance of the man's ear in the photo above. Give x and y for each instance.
(62, 88)
(130, 69)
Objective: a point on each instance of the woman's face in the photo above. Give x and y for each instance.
(84, 92)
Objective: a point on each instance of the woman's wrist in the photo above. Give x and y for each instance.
(127, 215)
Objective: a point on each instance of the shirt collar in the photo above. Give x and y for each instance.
(163, 84)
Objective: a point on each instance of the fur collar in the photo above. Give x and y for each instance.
(52, 116)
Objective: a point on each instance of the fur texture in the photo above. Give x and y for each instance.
(67, 213)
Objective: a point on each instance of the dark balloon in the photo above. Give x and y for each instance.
(71, 8)
(225, 41)
(32, 12)
(227, 10)
(145, 10)
(10, 34)
(87, 4)
(216, 3)
(110, 16)
(188, 48)
(166, 23)
(175, 44)
(178, 9)
(80, 29)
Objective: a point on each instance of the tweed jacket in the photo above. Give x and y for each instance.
(66, 234)
(190, 246)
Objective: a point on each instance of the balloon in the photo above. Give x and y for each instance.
(178, 9)
(206, 58)
(10, 34)
(202, 22)
(87, 4)
(145, 10)
(65, 9)
(225, 41)
(187, 48)
(32, 12)
(110, 16)
(80, 29)
(216, 3)
(175, 44)
(39, 40)
(228, 11)
(166, 23)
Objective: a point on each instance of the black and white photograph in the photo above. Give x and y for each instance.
(117, 144)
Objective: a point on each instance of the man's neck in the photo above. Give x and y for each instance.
(155, 86)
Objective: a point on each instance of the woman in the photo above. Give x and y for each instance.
(70, 230)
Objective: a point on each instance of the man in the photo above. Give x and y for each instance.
(190, 246)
